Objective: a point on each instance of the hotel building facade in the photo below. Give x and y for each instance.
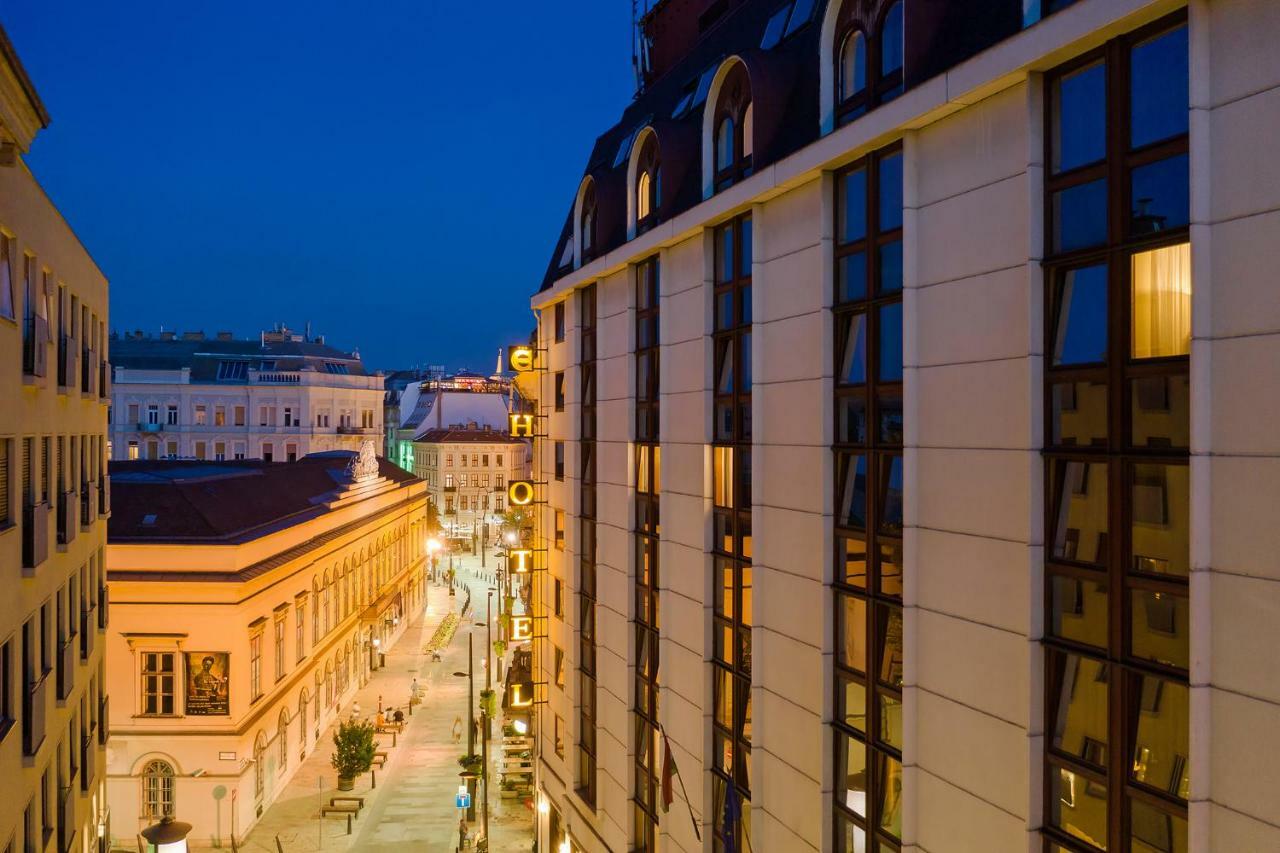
(54, 503)
(277, 398)
(249, 602)
(914, 364)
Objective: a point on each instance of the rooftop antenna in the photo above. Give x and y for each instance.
(639, 43)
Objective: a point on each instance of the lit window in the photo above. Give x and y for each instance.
(1161, 302)
(157, 790)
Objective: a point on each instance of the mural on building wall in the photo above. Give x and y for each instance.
(208, 684)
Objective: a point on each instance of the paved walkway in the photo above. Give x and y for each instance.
(412, 806)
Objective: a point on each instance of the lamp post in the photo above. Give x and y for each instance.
(471, 709)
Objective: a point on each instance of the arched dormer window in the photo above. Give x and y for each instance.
(868, 70)
(732, 145)
(587, 223)
(648, 184)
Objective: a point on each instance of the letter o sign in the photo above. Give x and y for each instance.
(520, 492)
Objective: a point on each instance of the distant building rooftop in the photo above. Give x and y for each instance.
(472, 436)
(225, 359)
(196, 502)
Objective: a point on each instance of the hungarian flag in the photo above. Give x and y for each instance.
(668, 774)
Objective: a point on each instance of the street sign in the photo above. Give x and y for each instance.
(462, 800)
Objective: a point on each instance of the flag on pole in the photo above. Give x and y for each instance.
(732, 814)
(670, 771)
(668, 774)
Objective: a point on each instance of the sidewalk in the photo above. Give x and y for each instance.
(412, 807)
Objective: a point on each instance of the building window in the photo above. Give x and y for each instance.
(558, 731)
(239, 416)
(171, 415)
(868, 68)
(255, 666)
(219, 416)
(559, 322)
(1117, 436)
(259, 766)
(158, 678)
(867, 717)
(559, 530)
(8, 713)
(6, 514)
(133, 450)
(587, 223)
(267, 453)
(559, 391)
(282, 741)
(648, 484)
(6, 278)
(648, 184)
(733, 143)
(586, 770)
(557, 596)
(279, 647)
(299, 631)
(288, 417)
(559, 445)
(153, 413)
(731, 529)
(157, 790)
(202, 415)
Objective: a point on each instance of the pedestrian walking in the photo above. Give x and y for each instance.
(355, 710)
(462, 833)
(457, 730)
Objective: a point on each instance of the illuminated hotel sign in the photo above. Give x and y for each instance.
(521, 357)
(520, 560)
(521, 628)
(521, 425)
(520, 492)
(520, 694)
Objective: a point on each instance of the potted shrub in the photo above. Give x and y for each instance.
(499, 647)
(471, 764)
(353, 752)
(489, 703)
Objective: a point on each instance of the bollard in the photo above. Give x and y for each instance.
(373, 774)
(348, 827)
(393, 739)
(279, 846)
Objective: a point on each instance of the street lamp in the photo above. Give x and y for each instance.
(471, 732)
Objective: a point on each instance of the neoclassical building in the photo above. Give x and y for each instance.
(249, 601)
(54, 502)
(913, 364)
(277, 398)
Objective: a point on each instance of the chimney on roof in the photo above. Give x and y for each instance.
(193, 336)
(167, 336)
(226, 336)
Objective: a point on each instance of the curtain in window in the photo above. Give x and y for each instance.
(1161, 302)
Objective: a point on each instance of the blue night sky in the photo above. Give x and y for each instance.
(394, 171)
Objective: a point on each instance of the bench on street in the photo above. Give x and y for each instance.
(325, 811)
(357, 801)
(380, 759)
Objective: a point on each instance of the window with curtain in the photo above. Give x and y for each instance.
(1117, 391)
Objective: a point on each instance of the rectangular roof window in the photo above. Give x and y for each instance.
(773, 30)
(624, 148)
(704, 86)
(803, 11)
(232, 370)
(335, 367)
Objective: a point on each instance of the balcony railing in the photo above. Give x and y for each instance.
(104, 709)
(66, 669)
(355, 430)
(88, 504)
(66, 361)
(87, 373)
(68, 508)
(148, 427)
(275, 377)
(88, 761)
(66, 819)
(88, 633)
(34, 709)
(35, 350)
(35, 535)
